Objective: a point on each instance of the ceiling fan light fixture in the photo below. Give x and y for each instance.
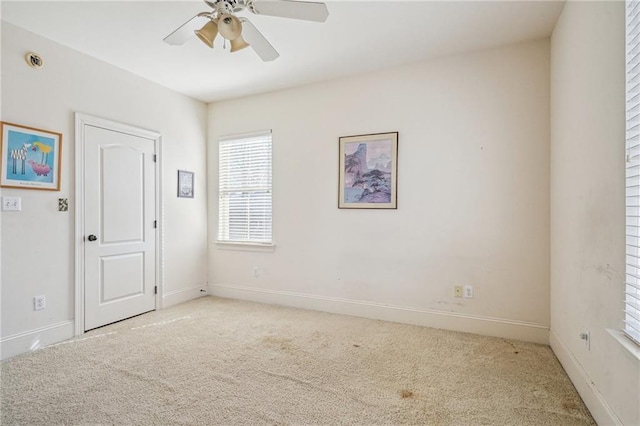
(229, 26)
(240, 32)
(238, 43)
(208, 33)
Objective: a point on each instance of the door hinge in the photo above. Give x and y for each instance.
(155, 290)
(155, 158)
(155, 223)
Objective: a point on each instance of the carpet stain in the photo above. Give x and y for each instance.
(356, 346)
(405, 393)
(569, 406)
(278, 342)
(512, 346)
(265, 366)
(509, 343)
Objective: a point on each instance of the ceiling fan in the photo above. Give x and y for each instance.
(241, 32)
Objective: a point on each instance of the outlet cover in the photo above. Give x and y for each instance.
(39, 303)
(457, 291)
(11, 204)
(468, 291)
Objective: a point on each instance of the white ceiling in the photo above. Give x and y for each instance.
(359, 36)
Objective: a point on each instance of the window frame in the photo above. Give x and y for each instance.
(247, 243)
(631, 310)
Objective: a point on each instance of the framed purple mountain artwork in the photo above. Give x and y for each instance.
(368, 171)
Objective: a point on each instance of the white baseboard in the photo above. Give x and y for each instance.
(510, 329)
(593, 399)
(33, 340)
(174, 297)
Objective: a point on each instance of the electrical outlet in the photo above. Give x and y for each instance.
(468, 291)
(256, 271)
(457, 291)
(39, 303)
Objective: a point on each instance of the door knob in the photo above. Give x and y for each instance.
(92, 237)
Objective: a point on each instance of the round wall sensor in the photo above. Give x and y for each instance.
(34, 60)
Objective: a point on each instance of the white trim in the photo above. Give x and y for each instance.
(79, 227)
(38, 338)
(228, 245)
(488, 326)
(160, 224)
(593, 399)
(175, 297)
(81, 121)
(257, 133)
(629, 345)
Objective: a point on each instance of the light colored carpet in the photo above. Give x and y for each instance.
(219, 361)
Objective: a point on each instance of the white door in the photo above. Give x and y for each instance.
(119, 225)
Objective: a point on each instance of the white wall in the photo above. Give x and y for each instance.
(473, 195)
(587, 207)
(38, 243)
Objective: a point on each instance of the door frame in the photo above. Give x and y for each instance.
(82, 120)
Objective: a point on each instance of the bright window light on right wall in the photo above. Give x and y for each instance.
(632, 281)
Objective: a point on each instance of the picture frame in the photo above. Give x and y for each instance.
(31, 157)
(368, 170)
(185, 184)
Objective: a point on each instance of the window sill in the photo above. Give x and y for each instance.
(627, 344)
(238, 246)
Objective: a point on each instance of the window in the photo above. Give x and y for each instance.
(244, 212)
(632, 282)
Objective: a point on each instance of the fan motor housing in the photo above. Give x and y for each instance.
(232, 5)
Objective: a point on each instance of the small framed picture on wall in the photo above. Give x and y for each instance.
(185, 184)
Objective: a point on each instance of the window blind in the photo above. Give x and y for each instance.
(632, 282)
(245, 201)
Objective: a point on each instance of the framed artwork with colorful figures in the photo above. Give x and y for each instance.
(31, 157)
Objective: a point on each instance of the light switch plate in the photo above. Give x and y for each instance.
(11, 204)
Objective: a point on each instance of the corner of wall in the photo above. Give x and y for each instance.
(594, 400)
(184, 295)
(587, 207)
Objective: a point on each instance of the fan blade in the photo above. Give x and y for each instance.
(257, 41)
(308, 11)
(185, 31)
